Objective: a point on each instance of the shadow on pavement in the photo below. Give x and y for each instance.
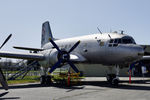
(35, 85)
(10, 98)
(7, 98)
(135, 85)
(3, 94)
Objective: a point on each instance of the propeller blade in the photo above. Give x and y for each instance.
(55, 45)
(73, 66)
(56, 65)
(3, 80)
(6, 40)
(74, 46)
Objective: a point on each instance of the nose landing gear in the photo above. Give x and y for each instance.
(113, 79)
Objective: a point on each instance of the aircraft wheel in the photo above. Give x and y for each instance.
(48, 80)
(115, 81)
(110, 77)
(43, 79)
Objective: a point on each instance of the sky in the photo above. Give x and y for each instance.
(70, 18)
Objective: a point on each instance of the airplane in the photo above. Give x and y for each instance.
(110, 49)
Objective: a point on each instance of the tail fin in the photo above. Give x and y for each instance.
(46, 33)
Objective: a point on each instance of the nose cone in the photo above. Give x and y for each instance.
(132, 52)
(137, 51)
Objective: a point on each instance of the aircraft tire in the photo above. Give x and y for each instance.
(48, 80)
(110, 77)
(43, 79)
(115, 81)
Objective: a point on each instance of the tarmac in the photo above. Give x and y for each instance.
(92, 88)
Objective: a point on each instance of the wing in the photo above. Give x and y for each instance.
(28, 56)
(27, 48)
(32, 56)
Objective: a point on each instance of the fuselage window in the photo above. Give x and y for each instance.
(110, 45)
(127, 41)
(119, 41)
(111, 41)
(116, 41)
(115, 45)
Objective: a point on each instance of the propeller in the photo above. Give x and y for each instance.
(2, 77)
(6, 40)
(64, 57)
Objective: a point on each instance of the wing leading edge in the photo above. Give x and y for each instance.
(28, 56)
(27, 48)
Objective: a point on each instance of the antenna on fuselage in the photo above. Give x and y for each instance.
(109, 36)
(99, 30)
(122, 31)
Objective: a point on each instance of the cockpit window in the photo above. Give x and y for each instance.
(116, 41)
(127, 41)
(119, 41)
(124, 40)
(111, 41)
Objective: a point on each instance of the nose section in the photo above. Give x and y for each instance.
(138, 51)
(131, 52)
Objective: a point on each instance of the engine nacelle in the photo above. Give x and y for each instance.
(51, 57)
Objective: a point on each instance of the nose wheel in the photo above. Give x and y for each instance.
(115, 81)
(112, 79)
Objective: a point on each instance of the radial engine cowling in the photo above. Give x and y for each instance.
(51, 57)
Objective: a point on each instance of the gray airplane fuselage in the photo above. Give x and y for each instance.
(107, 49)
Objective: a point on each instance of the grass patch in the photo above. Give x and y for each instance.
(27, 79)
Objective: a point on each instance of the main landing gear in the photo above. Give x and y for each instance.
(113, 79)
(45, 80)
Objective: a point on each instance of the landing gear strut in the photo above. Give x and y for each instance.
(113, 79)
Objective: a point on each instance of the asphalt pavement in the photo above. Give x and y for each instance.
(90, 89)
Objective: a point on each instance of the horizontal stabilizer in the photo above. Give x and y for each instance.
(27, 48)
(28, 56)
